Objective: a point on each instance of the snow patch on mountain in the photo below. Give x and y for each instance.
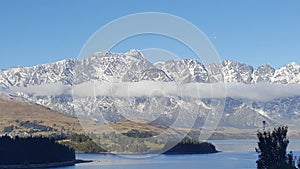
(119, 85)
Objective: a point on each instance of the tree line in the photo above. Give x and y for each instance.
(33, 150)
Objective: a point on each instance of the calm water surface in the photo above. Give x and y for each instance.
(236, 154)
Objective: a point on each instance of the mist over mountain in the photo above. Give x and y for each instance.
(114, 86)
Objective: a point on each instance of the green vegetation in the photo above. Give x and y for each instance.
(190, 146)
(132, 141)
(33, 150)
(88, 146)
(82, 143)
(30, 127)
(139, 142)
(79, 138)
(139, 134)
(120, 143)
(36, 127)
(272, 150)
(8, 129)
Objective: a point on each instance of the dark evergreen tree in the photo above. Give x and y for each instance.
(189, 146)
(272, 149)
(33, 150)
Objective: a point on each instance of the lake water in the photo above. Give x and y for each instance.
(236, 154)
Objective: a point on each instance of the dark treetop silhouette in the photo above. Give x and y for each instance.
(272, 149)
(33, 150)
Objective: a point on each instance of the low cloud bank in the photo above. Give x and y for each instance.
(49, 89)
(260, 91)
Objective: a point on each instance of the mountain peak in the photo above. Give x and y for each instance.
(133, 52)
(136, 54)
(133, 66)
(265, 66)
(293, 64)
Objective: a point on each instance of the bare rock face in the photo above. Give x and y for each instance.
(133, 67)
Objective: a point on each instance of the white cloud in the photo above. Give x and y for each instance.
(260, 91)
(263, 91)
(50, 89)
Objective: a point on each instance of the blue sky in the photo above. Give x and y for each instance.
(253, 32)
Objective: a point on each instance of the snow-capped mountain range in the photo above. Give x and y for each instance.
(133, 67)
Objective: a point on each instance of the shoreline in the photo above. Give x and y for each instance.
(162, 153)
(46, 165)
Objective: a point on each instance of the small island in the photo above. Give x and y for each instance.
(34, 152)
(190, 146)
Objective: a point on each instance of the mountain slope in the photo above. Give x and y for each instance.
(133, 67)
(20, 115)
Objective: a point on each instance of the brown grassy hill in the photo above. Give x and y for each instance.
(22, 117)
(27, 118)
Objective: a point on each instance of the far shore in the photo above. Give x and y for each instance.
(126, 153)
